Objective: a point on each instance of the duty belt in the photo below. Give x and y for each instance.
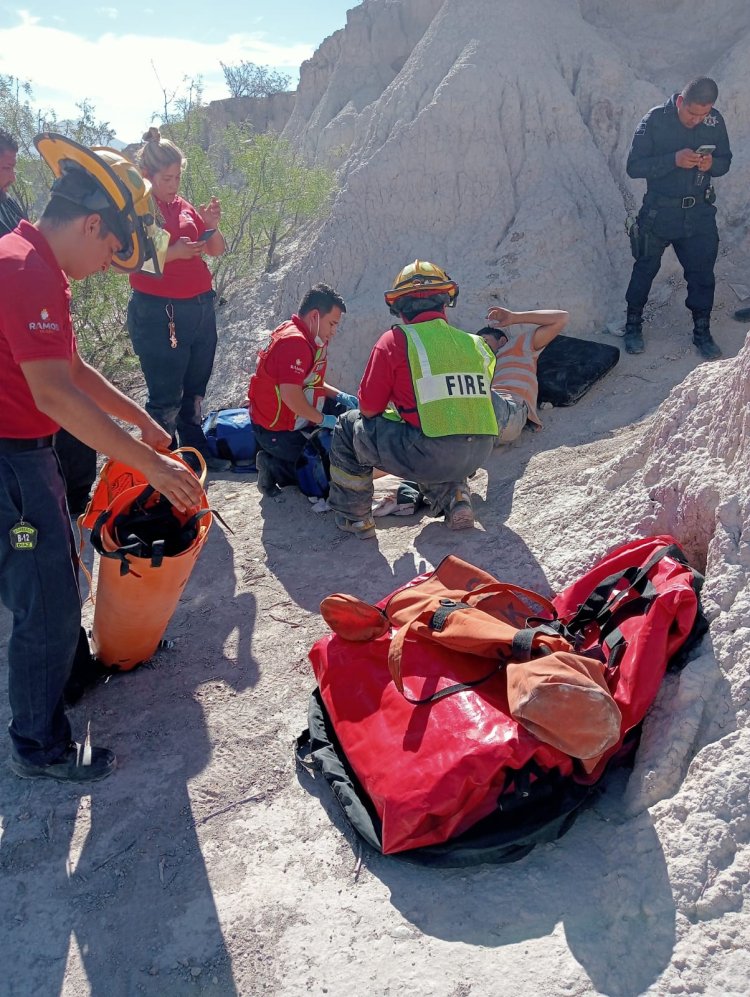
(19, 445)
(660, 201)
(195, 299)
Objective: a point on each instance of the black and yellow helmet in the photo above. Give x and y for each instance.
(99, 179)
(421, 279)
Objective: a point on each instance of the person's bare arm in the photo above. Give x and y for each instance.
(550, 322)
(58, 395)
(211, 215)
(216, 245)
(293, 396)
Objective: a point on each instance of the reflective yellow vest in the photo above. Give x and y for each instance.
(452, 373)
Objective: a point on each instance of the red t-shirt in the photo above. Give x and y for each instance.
(35, 324)
(288, 359)
(181, 278)
(387, 377)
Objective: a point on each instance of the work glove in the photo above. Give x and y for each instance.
(329, 422)
(350, 401)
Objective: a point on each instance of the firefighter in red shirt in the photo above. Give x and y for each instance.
(288, 391)
(425, 408)
(100, 214)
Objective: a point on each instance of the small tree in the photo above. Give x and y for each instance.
(99, 309)
(266, 191)
(249, 80)
(183, 111)
(85, 128)
(19, 117)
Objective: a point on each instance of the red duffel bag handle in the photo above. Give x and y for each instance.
(467, 629)
(407, 602)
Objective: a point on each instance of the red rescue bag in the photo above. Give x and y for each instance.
(434, 765)
(636, 608)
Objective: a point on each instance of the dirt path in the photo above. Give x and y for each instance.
(208, 864)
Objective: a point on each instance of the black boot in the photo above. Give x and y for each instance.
(702, 338)
(266, 481)
(634, 331)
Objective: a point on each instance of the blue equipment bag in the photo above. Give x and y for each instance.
(313, 467)
(230, 436)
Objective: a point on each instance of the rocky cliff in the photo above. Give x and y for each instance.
(491, 136)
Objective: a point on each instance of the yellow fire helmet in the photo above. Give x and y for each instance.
(421, 279)
(99, 178)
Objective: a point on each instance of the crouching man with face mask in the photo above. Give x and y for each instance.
(288, 392)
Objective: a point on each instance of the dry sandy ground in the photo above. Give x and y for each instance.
(209, 864)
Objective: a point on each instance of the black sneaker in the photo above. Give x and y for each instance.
(742, 315)
(78, 764)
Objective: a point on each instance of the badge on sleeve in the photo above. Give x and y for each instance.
(23, 536)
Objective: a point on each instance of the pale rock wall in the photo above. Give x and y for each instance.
(351, 70)
(490, 136)
(263, 114)
(685, 473)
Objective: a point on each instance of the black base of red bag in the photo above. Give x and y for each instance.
(540, 807)
(389, 763)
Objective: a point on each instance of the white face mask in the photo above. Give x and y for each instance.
(318, 340)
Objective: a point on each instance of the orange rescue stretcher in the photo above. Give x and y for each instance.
(147, 551)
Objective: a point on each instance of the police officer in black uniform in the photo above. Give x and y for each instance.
(678, 148)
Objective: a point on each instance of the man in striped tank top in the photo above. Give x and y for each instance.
(514, 385)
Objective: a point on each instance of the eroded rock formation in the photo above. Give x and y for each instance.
(491, 136)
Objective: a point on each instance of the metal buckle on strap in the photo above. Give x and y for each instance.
(688, 202)
(440, 616)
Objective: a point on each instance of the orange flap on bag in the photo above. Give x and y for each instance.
(563, 699)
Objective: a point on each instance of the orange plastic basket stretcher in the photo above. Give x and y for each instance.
(136, 596)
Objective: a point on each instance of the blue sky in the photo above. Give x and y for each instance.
(112, 53)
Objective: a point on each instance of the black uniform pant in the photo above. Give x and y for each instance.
(283, 449)
(177, 376)
(40, 588)
(281, 452)
(693, 235)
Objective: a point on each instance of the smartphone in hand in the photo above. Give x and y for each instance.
(206, 235)
(705, 150)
